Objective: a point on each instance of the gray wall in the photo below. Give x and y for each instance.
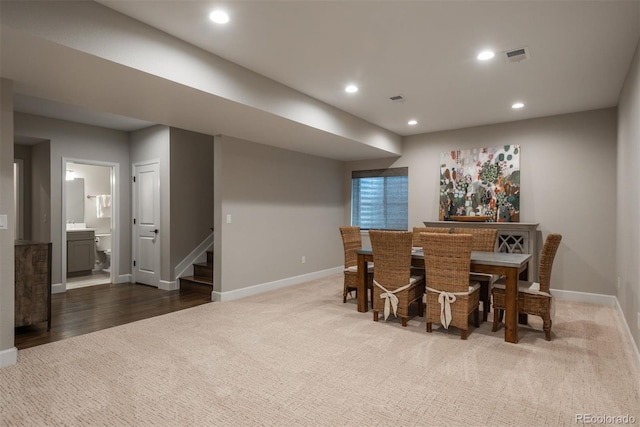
(41, 193)
(568, 170)
(153, 143)
(191, 192)
(283, 205)
(82, 142)
(628, 230)
(186, 188)
(7, 266)
(23, 152)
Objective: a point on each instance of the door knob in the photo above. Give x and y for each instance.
(154, 231)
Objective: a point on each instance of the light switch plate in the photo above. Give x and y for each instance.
(3, 222)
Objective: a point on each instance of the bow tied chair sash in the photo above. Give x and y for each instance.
(446, 299)
(390, 298)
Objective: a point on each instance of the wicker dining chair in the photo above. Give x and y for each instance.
(483, 240)
(447, 260)
(418, 243)
(533, 297)
(417, 238)
(392, 277)
(352, 241)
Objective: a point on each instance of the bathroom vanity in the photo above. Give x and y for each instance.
(80, 252)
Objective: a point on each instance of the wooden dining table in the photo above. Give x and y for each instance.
(509, 265)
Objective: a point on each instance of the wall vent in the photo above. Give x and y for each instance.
(397, 98)
(516, 55)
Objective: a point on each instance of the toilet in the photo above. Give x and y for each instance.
(103, 247)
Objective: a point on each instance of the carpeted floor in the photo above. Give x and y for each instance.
(299, 356)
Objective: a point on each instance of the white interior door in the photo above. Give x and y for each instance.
(146, 212)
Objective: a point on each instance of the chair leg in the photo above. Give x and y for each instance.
(428, 326)
(375, 316)
(547, 328)
(463, 334)
(484, 298)
(495, 320)
(404, 322)
(344, 295)
(371, 297)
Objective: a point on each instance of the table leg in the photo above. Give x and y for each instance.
(511, 307)
(362, 284)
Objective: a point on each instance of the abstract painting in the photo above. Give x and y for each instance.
(482, 183)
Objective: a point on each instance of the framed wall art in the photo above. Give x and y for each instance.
(481, 184)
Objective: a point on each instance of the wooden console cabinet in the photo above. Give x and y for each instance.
(32, 283)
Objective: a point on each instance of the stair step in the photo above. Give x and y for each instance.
(203, 271)
(194, 284)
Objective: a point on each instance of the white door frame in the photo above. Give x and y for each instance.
(115, 216)
(134, 214)
(18, 166)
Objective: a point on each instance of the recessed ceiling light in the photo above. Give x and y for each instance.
(219, 17)
(412, 122)
(351, 89)
(485, 54)
(517, 105)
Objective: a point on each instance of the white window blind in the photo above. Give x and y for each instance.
(380, 199)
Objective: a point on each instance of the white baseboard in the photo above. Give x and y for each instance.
(584, 297)
(632, 341)
(58, 288)
(168, 286)
(123, 278)
(199, 254)
(270, 286)
(8, 357)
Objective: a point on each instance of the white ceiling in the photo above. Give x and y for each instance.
(580, 52)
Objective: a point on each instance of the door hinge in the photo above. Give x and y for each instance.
(134, 220)
(134, 263)
(134, 179)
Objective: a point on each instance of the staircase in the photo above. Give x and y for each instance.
(202, 279)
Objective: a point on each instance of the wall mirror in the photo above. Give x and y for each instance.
(75, 200)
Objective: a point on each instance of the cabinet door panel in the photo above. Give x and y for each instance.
(32, 283)
(80, 255)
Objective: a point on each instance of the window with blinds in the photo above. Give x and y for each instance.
(380, 199)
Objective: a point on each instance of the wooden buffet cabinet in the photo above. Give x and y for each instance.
(32, 283)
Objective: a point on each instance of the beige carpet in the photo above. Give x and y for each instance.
(300, 357)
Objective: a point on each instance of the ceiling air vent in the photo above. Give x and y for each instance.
(516, 55)
(397, 98)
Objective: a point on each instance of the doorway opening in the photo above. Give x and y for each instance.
(90, 223)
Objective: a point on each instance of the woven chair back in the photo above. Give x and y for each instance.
(482, 239)
(447, 261)
(549, 250)
(417, 239)
(392, 257)
(352, 241)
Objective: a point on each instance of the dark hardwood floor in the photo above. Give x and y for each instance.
(83, 310)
